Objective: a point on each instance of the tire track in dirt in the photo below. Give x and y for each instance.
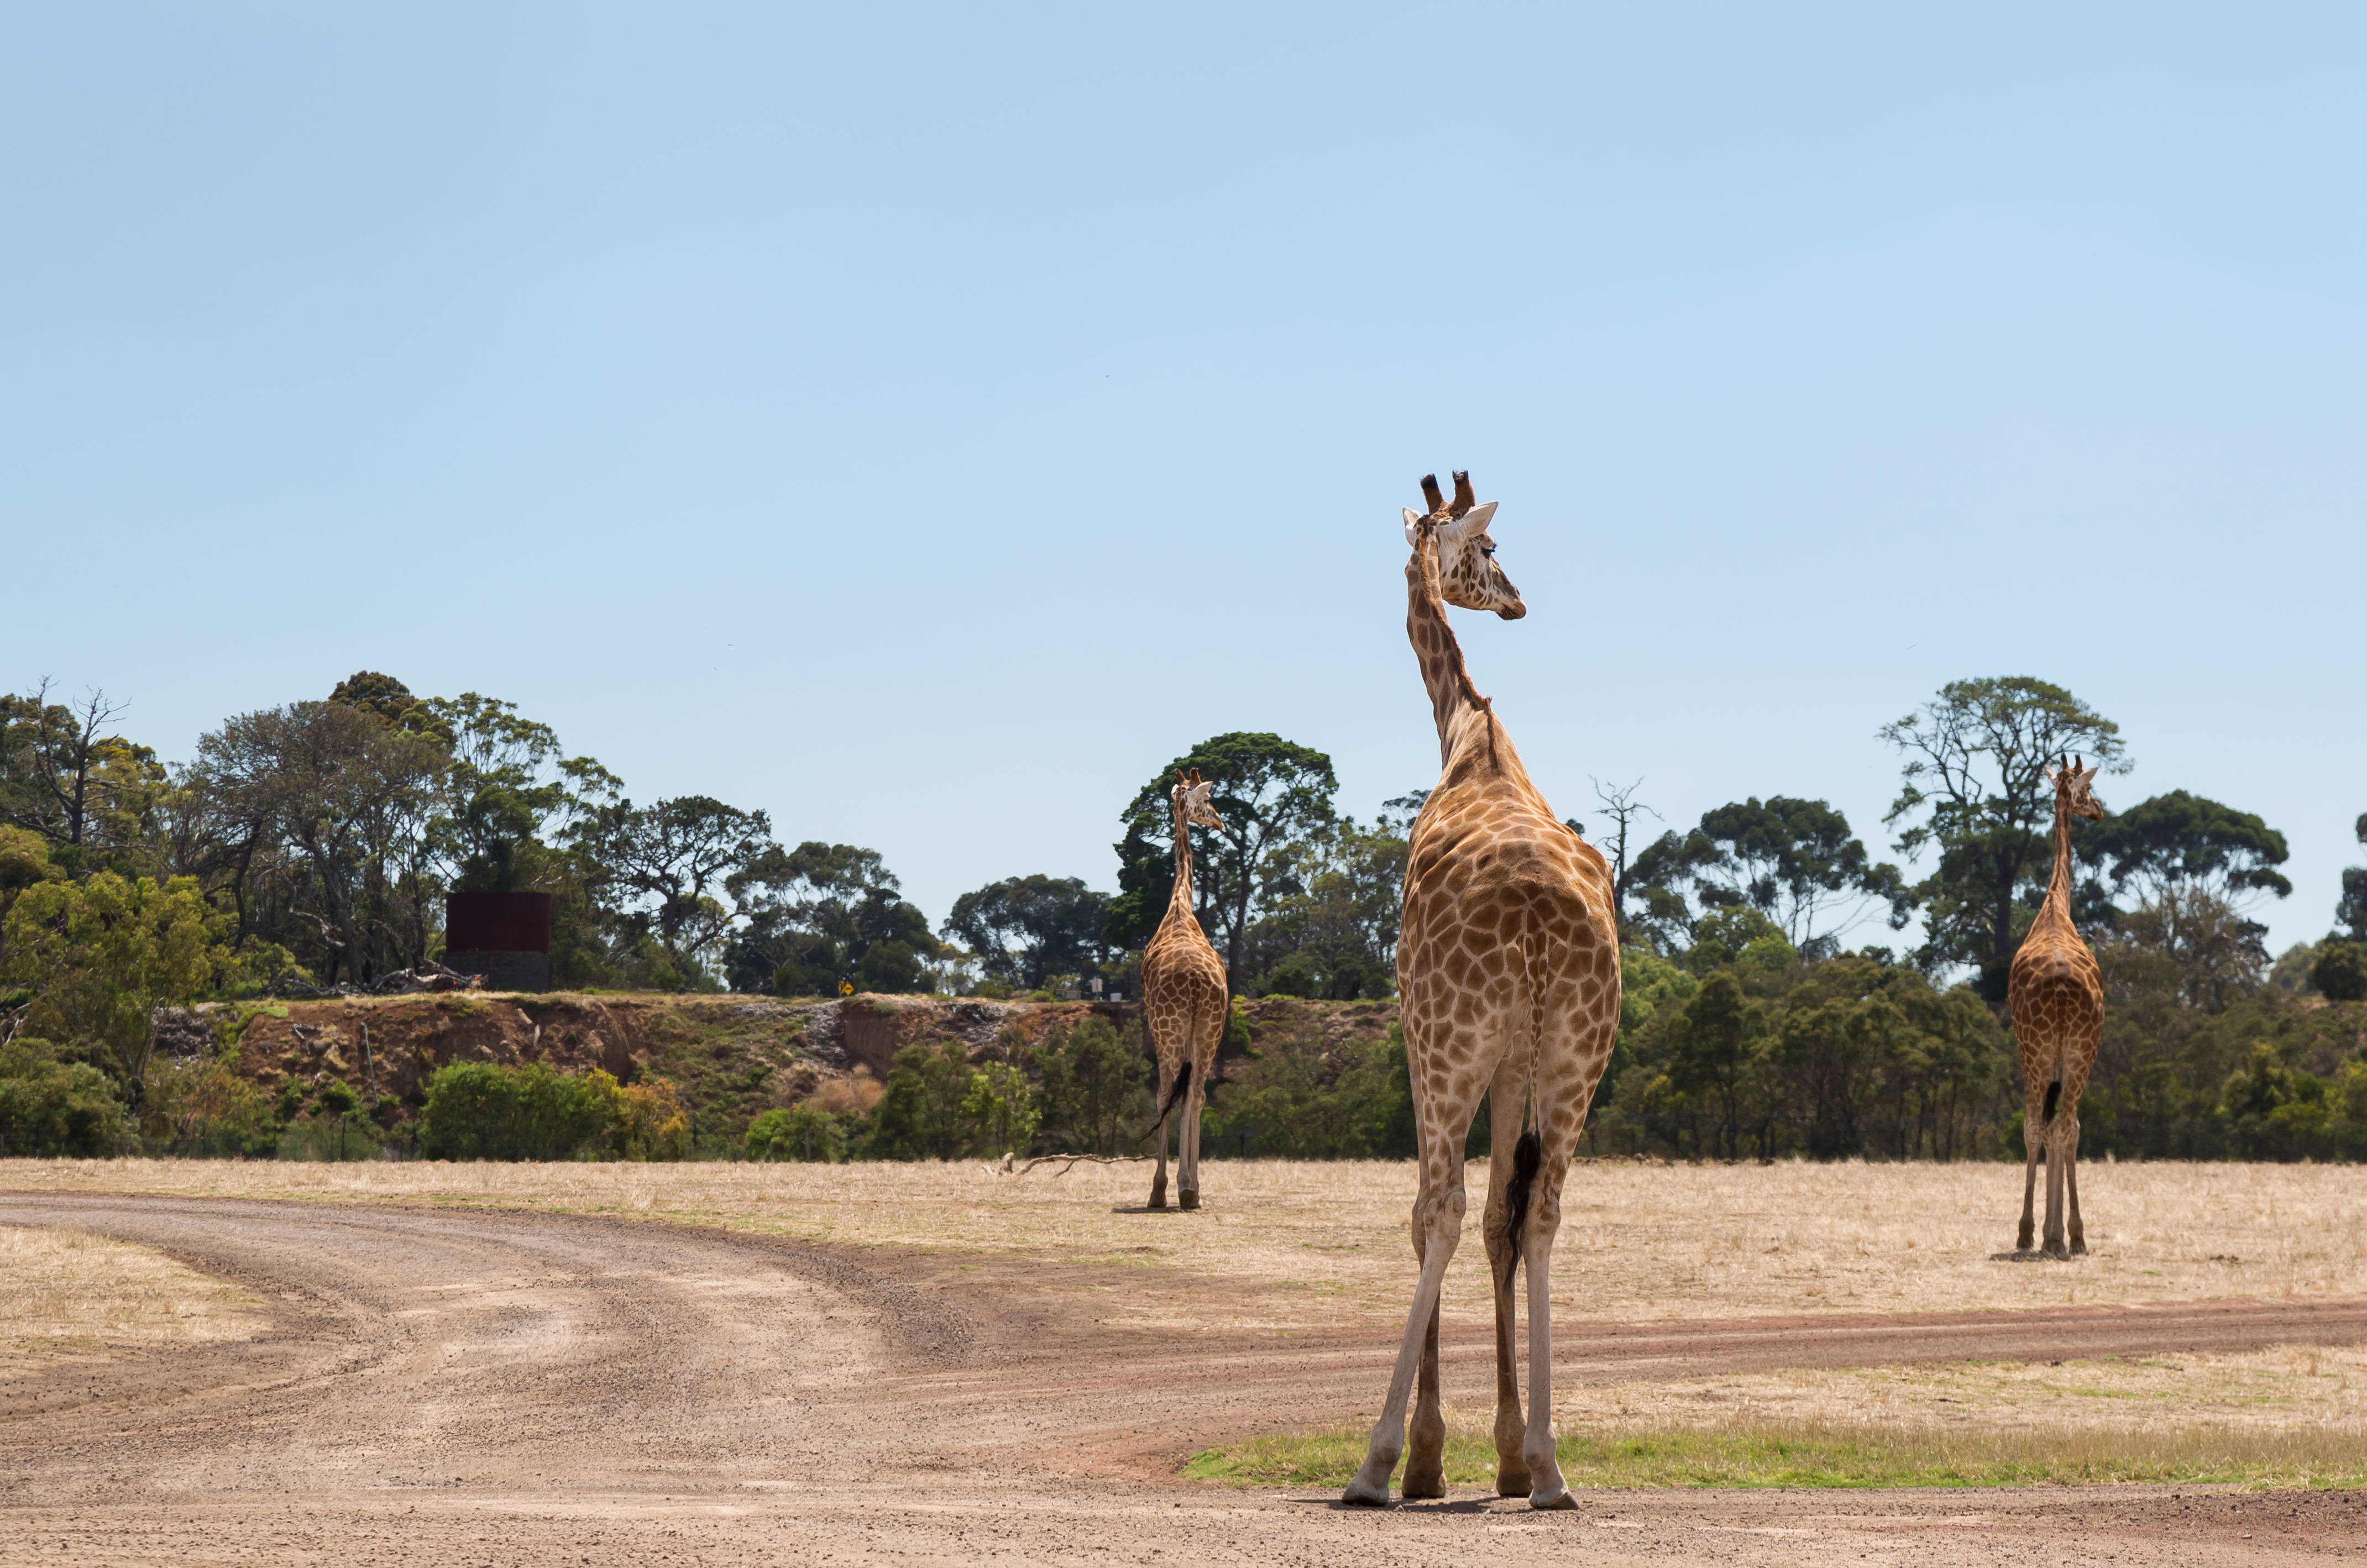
(438, 1382)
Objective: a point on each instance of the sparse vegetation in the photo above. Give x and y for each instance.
(65, 1290)
(1828, 1456)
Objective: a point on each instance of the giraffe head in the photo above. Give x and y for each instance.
(1467, 572)
(2075, 787)
(1192, 800)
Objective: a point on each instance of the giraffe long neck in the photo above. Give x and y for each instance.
(1452, 696)
(1180, 899)
(2059, 885)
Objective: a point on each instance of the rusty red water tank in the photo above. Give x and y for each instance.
(505, 937)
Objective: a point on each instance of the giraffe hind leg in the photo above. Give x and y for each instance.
(1504, 1114)
(1438, 1227)
(2052, 1242)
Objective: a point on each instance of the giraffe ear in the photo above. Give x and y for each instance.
(1413, 527)
(1472, 522)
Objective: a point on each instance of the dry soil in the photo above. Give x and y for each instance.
(505, 1387)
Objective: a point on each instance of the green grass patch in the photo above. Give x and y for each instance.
(1811, 1455)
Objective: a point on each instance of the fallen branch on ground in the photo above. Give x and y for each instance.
(1072, 1162)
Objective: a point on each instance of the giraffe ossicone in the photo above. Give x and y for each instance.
(1508, 987)
(1185, 998)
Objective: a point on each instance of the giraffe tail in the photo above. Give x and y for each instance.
(1183, 1075)
(2055, 1090)
(1529, 1153)
(1183, 1082)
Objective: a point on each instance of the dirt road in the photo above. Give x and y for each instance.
(511, 1388)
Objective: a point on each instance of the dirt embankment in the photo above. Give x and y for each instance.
(731, 1057)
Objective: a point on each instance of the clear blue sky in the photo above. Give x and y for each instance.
(922, 424)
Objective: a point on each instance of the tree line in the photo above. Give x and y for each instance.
(309, 847)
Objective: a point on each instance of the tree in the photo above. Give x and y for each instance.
(101, 956)
(1273, 795)
(324, 810)
(390, 701)
(1623, 811)
(1336, 936)
(89, 794)
(1974, 789)
(2180, 841)
(1000, 1108)
(672, 863)
(509, 793)
(1656, 880)
(1024, 929)
(920, 1115)
(822, 916)
(1095, 1088)
(49, 1107)
(2352, 910)
(1718, 1046)
(2340, 972)
(1794, 860)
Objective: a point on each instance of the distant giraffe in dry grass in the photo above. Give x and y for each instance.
(1185, 999)
(1508, 974)
(2056, 996)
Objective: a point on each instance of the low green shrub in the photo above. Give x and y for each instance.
(49, 1107)
(804, 1132)
(483, 1110)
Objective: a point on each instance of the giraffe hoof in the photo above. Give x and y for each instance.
(1430, 1483)
(1553, 1502)
(1362, 1495)
(1512, 1483)
(1188, 1198)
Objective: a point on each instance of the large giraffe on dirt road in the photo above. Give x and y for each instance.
(1508, 980)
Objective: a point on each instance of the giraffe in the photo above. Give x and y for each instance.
(1508, 981)
(1184, 1001)
(2056, 996)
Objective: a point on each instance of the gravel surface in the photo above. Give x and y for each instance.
(514, 1388)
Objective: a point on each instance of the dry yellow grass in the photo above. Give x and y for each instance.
(64, 1292)
(1288, 1246)
(2289, 1388)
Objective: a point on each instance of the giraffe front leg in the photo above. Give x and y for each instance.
(2033, 1141)
(2051, 1242)
(1439, 1217)
(2070, 1124)
(1504, 1109)
(1425, 1470)
(1159, 1182)
(1187, 1145)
